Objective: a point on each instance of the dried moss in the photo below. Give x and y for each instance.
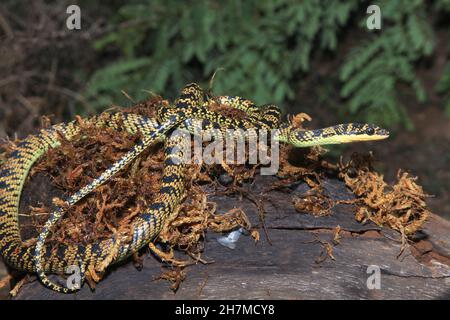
(400, 206)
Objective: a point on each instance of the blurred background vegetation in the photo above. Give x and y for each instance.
(306, 56)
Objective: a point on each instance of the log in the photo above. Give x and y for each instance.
(4, 290)
(290, 261)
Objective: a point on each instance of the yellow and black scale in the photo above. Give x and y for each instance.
(192, 105)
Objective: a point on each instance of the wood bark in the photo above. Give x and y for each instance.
(290, 262)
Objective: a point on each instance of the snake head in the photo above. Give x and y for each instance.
(354, 132)
(341, 133)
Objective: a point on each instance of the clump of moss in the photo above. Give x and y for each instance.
(400, 206)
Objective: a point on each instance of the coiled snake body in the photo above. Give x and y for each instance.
(190, 106)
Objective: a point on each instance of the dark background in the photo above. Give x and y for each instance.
(316, 57)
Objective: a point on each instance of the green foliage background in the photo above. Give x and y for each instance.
(265, 49)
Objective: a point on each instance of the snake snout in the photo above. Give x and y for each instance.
(380, 133)
(384, 132)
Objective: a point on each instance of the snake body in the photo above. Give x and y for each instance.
(191, 105)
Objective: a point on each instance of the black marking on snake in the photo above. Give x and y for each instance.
(170, 162)
(164, 110)
(168, 190)
(157, 206)
(81, 250)
(266, 122)
(24, 144)
(60, 251)
(194, 110)
(149, 218)
(7, 245)
(15, 154)
(4, 185)
(95, 248)
(182, 105)
(170, 179)
(206, 123)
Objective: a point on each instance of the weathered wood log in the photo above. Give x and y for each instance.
(292, 262)
(4, 290)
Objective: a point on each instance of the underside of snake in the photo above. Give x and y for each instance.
(191, 105)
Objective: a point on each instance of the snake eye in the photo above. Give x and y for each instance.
(370, 131)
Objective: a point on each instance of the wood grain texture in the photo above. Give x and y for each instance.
(3, 273)
(288, 266)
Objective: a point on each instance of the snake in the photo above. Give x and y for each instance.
(190, 112)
